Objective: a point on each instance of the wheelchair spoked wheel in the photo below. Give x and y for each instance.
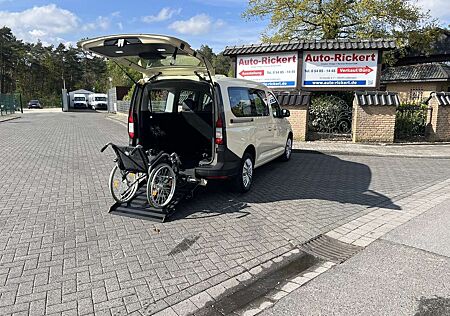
(123, 185)
(161, 185)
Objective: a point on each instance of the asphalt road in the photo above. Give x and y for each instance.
(407, 272)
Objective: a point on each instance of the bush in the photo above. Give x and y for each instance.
(410, 121)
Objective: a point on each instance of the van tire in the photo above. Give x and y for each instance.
(287, 150)
(242, 182)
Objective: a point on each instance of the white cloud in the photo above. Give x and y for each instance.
(196, 25)
(163, 15)
(102, 23)
(120, 26)
(45, 22)
(438, 8)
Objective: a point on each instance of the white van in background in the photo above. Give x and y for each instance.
(79, 101)
(98, 101)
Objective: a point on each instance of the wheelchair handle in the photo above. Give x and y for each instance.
(135, 148)
(104, 147)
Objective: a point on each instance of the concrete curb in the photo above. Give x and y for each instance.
(367, 154)
(117, 120)
(6, 119)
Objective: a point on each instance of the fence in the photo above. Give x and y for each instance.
(123, 106)
(10, 103)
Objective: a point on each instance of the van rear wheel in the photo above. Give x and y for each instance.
(244, 179)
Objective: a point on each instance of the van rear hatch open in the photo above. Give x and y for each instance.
(150, 54)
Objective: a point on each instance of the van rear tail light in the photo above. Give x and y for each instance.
(131, 125)
(219, 131)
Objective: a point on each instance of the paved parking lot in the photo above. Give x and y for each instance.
(62, 252)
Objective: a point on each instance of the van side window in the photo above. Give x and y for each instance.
(276, 109)
(161, 100)
(246, 102)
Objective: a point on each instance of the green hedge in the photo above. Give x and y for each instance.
(411, 121)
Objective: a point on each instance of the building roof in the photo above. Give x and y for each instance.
(301, 98)
(443, 98)
(377, 98)
(81, 91)
(416, 73)
(335, 44)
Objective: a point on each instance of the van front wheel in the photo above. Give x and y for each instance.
(287, 150)
(243, 180)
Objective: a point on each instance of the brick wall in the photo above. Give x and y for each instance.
(373, 123)
(440, 122)
(404, 88)
(299, 121)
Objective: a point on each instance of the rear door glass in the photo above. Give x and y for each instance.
(194, 101)
(161, 100)
(246, 102)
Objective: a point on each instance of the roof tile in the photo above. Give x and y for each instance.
(377, 98)
(419, 72)
(336, 44)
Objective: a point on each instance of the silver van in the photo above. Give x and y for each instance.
(221, 128)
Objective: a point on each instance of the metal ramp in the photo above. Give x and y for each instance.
(138, 207)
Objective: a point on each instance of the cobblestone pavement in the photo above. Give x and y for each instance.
(61, 252)
(418, 150)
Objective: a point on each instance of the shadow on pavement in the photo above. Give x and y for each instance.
(307, 176)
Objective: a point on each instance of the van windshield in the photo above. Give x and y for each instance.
(100, 99)
(79, 99)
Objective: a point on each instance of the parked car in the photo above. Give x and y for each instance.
(34, 104)
(221, 128)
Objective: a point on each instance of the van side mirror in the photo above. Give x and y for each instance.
(285, 113)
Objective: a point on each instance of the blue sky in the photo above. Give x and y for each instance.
(214, 22)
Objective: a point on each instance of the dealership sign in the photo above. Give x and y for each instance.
(339, 69)
(274, 70)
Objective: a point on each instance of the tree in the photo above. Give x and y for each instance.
(8, 59)
(220, 63)
(118, 75)
(331, 19)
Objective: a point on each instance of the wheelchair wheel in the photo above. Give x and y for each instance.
(123, 184)
(161, 185)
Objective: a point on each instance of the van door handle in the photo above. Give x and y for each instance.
(241, 120)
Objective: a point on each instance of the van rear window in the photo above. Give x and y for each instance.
(161, 100)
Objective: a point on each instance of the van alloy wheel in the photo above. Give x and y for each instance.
(287, 150)
(243, 180)
(247, 173)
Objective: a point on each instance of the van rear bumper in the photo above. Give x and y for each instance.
(227, 166)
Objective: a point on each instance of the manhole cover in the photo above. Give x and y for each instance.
(329, 248)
